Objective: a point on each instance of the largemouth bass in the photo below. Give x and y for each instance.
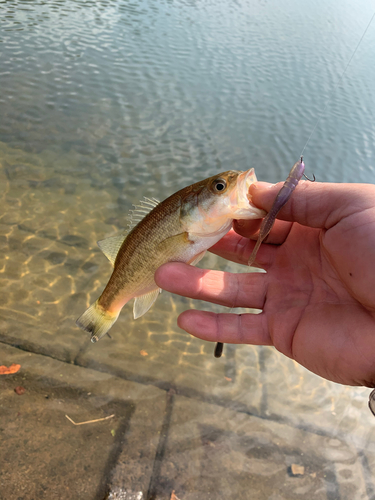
(181, 228)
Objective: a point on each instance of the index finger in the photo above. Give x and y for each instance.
(227, 289)
(318, 204)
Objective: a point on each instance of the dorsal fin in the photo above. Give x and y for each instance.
(140, 211)
(110, 246)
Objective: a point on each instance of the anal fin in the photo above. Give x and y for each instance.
(143, 303)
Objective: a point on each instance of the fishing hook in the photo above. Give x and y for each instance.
(311, 180)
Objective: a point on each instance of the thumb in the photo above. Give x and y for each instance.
(316, 204)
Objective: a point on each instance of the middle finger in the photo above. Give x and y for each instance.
(227, 289)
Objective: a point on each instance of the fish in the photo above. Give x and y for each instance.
(180, 229)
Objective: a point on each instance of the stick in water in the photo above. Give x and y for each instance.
(282, 197)
(89, 421)
(218, 349)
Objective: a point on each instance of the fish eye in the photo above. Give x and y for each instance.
(220, 185)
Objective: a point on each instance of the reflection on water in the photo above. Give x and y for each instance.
(102, 103)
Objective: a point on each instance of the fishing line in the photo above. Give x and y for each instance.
(337, 84)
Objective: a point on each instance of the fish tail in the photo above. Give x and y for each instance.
(97, 321)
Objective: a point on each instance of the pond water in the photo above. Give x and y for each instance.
(104, 102)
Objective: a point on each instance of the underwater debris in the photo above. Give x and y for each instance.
(13, 368)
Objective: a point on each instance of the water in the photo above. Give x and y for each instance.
(102, 103)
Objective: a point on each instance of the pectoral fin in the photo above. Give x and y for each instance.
(143, 303)
(175, 244)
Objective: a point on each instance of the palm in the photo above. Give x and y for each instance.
(312, 311)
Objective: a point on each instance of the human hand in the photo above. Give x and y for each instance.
(318, 295)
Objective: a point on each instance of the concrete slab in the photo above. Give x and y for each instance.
(215, 453)
(45, 456)
(152, 349)
(292, 393)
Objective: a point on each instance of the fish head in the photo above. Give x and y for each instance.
(212, 204)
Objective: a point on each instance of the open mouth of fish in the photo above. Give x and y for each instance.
(245, 208)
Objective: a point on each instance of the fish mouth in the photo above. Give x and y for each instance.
(245, 209)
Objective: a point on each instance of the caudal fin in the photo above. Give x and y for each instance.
(96, 321)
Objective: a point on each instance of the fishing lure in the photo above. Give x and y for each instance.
(282, 197)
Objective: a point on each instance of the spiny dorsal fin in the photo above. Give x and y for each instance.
(110, 246)
(140, 211)
(143, 303)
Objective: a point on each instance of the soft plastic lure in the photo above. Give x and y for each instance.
(282, 197)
